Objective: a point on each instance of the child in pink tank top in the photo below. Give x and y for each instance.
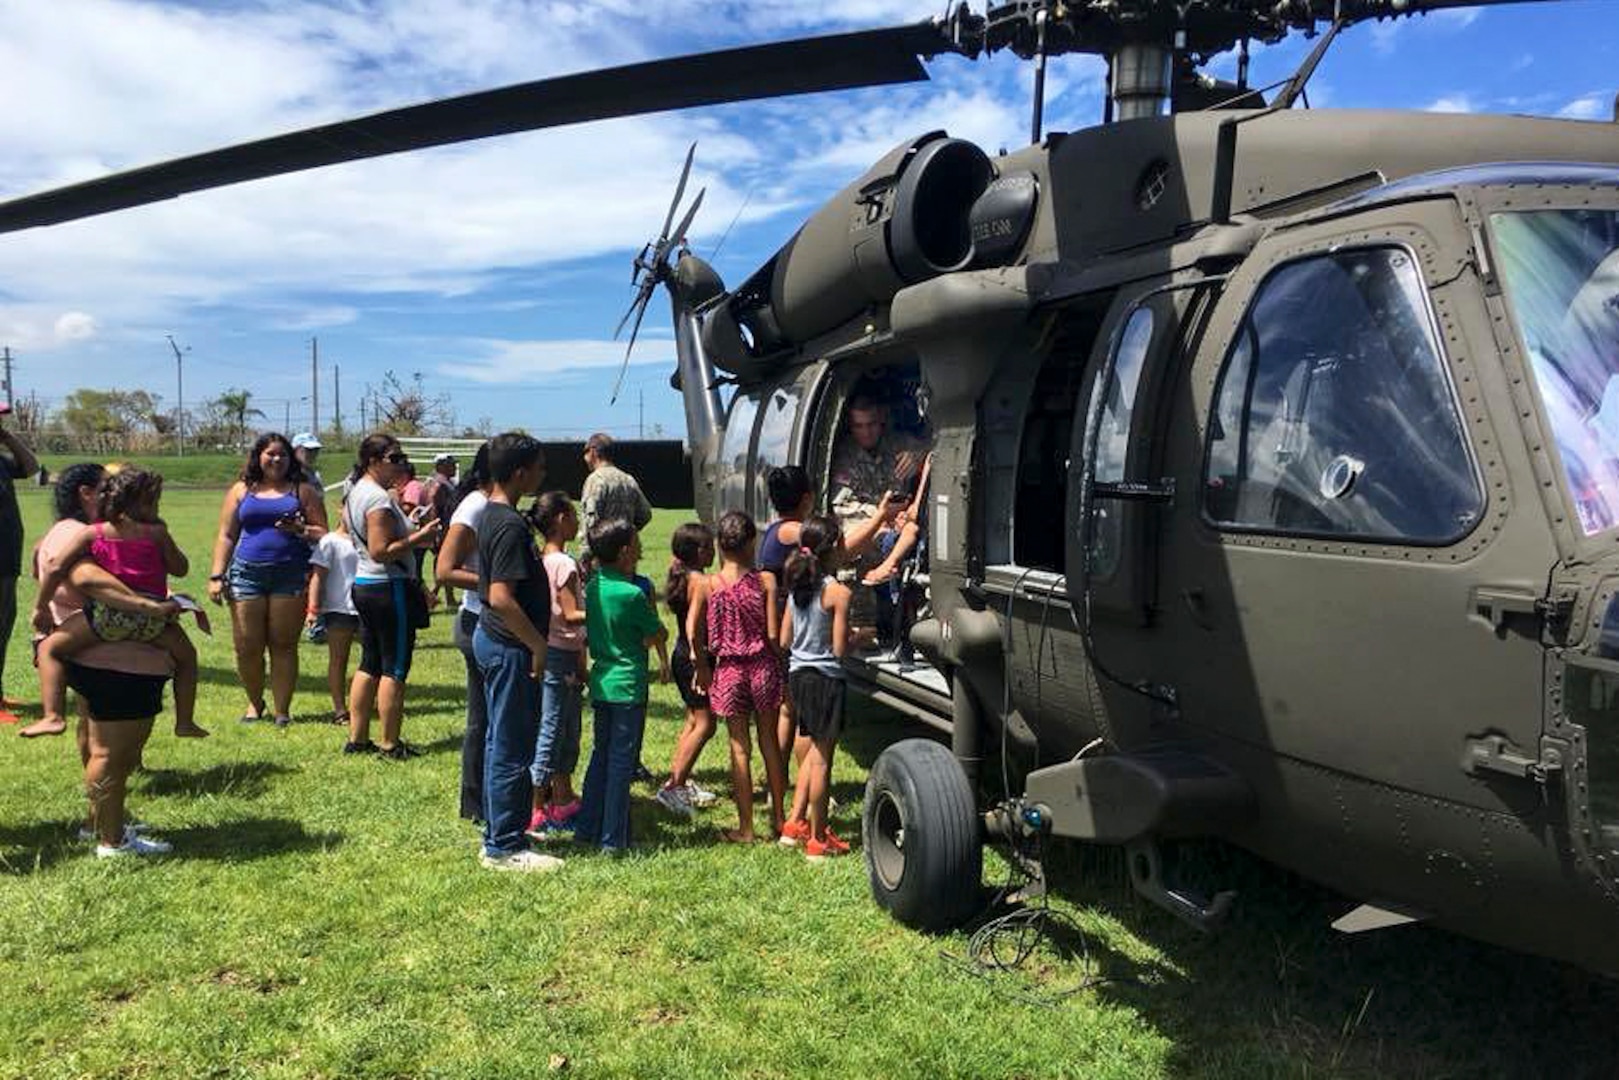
(132, 544)
(738, 607)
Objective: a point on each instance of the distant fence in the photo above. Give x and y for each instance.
(660, 466)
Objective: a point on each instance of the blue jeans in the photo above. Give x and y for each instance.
(461, 631)
(604, 815)
(513, 699)
(561, 705)
(887, 593)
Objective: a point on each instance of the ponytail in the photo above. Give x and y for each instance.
(476, 478)
(818, 541)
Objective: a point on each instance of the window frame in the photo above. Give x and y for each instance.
(1462, 426)
(746, 472)
(1134, 446)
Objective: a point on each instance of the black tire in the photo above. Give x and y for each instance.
(922, 837)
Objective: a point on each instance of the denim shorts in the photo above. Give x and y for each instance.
(252, 580)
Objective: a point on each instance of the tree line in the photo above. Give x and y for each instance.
(92, 420)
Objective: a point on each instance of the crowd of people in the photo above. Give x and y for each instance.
(553, 609)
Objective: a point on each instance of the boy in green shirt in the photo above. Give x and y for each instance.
(620, 625)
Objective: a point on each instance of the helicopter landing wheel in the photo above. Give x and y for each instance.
(923, 837)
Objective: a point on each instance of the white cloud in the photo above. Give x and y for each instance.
(1589, 107)
(514, 363)
(1386, 34)
(1451, 103)
(75, 326)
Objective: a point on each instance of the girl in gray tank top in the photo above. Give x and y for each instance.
(815, 633)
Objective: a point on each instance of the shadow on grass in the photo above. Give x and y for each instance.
(40, 845)
(1409, 1001)
(1278, 992)
(241, 779)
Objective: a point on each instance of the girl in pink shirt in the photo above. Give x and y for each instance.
(131, 543)
(556, 752)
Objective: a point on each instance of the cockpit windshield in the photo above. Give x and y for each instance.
(1561, 269)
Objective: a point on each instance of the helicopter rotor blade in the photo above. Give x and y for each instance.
(618, 383)
(685, 223)
(680, 191)
(642, 295)
(797, 66)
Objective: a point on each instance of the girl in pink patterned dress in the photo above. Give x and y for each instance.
(738, 605)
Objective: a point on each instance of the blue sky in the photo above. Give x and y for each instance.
(499, 269)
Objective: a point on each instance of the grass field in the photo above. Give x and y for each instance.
(325, 916)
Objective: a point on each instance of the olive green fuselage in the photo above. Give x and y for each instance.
(1390, 685)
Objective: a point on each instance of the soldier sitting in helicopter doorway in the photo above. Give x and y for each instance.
(874, 472)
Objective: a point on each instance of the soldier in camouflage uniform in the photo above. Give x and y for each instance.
(609, 491)
(870, 463)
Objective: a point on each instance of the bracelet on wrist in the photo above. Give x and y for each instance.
(216, 577)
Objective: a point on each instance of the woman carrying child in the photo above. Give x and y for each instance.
(130, 541)
(692, 553)
(815, 634)
(739, 605)
(556, 753)
(333, 565)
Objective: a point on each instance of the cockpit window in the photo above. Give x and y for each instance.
(1334, 415)
(1561, 269)
(733, 466)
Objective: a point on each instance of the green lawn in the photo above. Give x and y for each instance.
(325, 916)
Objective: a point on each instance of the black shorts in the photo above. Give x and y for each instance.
(681, 669)
(387, 640)
(817, 704)
(117, 695)
(340, 619)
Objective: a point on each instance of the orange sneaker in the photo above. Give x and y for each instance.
(831, 847)
(793, 833)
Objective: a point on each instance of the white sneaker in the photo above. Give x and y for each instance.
(526, 862)
(133, 845)
(136, 827)
(675, 800)
(700, 796)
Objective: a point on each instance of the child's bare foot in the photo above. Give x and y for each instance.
(737, 836)
(190, 731)
(50, 725)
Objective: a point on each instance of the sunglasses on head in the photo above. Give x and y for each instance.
(398, 457)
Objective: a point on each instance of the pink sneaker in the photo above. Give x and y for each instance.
(563, 814)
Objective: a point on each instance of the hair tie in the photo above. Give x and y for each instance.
(803, 550)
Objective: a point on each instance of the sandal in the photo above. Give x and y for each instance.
(341, 717)
(734, 836)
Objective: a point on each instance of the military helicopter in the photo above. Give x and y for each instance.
(1275, 487)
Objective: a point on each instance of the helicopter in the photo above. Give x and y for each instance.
(1275, 479)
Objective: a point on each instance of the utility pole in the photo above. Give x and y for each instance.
(337, 398)
(640, 407)
(314, 387)
(286, 417)
(179, 397)
(10, 402)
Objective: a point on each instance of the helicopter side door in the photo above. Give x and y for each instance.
(1348, 581)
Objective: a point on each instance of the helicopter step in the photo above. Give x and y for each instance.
(1127, 798)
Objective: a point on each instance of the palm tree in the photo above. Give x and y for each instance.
(237, 407)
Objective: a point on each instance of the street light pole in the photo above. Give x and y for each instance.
(180, 398)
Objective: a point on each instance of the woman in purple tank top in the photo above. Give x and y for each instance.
(271, 517)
